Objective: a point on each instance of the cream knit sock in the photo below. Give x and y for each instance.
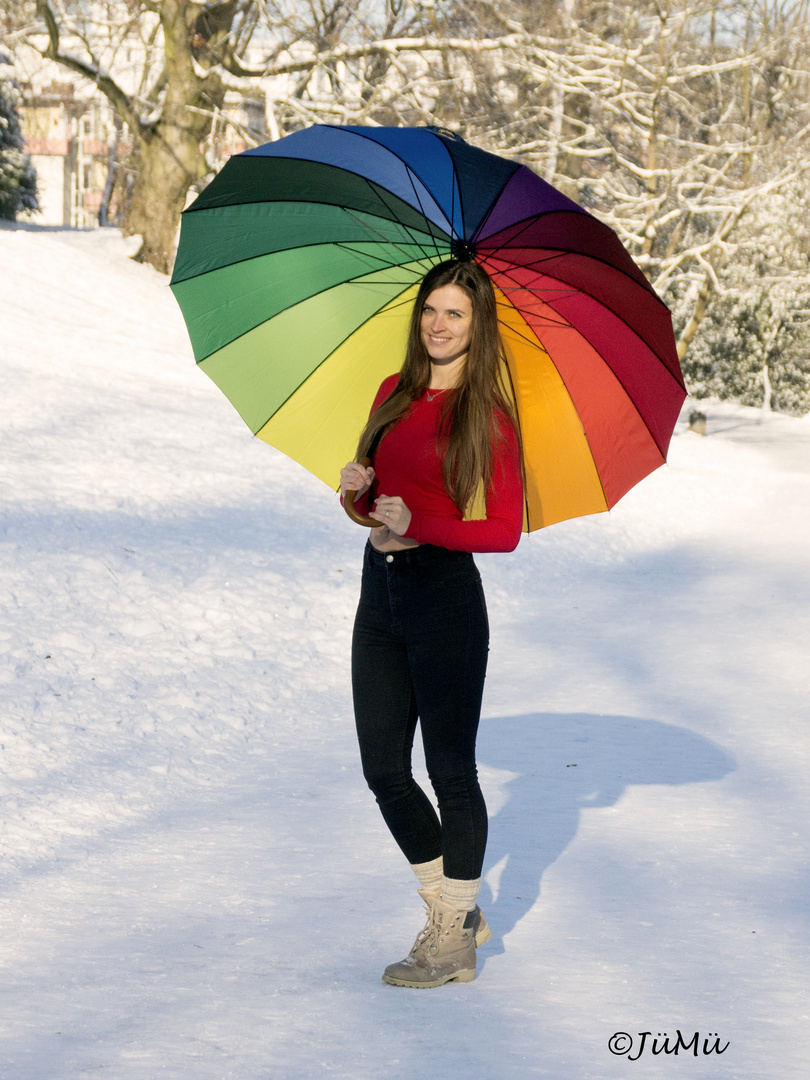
(429, 874)
(460, 893)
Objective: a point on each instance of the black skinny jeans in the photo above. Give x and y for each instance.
(419, 651)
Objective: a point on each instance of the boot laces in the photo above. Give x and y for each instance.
(427, 931)
(429, 938)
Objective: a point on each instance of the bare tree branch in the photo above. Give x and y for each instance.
(92, 71)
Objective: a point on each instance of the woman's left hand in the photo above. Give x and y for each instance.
(392, 511)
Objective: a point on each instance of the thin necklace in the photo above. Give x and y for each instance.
(438, 390)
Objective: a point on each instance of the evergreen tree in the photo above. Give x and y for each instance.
(750, 347)
(18, 180)
(754, 344)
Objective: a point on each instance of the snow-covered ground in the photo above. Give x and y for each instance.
(196, 882)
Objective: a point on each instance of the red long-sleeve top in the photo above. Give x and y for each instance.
(407, 463)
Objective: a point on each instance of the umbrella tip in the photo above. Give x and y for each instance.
(445, 133)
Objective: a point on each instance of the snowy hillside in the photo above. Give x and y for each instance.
(197, 883)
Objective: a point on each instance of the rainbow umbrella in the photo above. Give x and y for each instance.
(298, 265)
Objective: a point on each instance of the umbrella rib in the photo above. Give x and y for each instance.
(453, 203)
(530, 339)
(561, 319)
(585, 254)
(541, 292)
(527, 223)
(342, 245)
(607, 307)
(551, 253)
(416, 195)
(383, 238)
(556, 253)
(648, 290)
(345, 245)
(406, 165)
(378, 192)
(411, 172)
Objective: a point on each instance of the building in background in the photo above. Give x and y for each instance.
(75, 141)
(81, 148)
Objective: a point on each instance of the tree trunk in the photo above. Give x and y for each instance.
(557, 108)
(767, 390)
(171, 152)
(698, 315)
(167, 171)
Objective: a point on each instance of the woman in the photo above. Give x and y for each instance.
(446, 481)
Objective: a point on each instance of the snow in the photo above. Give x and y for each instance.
(197, 883)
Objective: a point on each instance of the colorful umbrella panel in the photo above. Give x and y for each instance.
(299, 263)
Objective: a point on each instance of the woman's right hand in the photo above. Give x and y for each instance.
(356, 477)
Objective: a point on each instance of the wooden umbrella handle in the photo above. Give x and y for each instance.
(348, 505)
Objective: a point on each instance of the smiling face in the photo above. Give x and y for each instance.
(446, 325)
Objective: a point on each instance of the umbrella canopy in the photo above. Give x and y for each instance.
(299, 263)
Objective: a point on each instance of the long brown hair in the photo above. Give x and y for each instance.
(468, 430)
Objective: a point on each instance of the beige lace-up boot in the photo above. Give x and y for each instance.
(431, 878)
(480, 925)
(444, 951)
